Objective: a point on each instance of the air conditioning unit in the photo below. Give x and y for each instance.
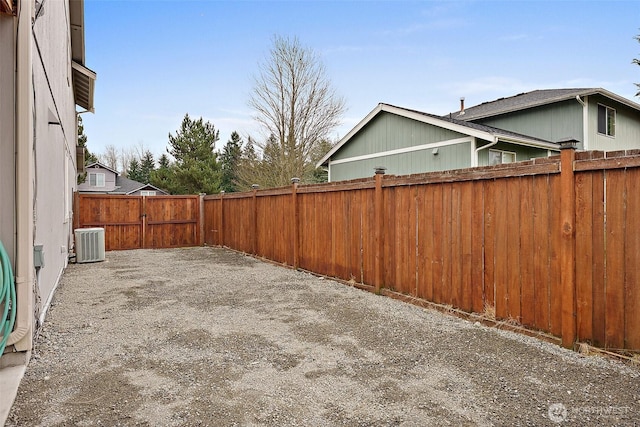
(89, 244)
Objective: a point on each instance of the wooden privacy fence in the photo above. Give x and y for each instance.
(136, 222)
(553, 243)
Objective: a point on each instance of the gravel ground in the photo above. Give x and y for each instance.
(205, 336)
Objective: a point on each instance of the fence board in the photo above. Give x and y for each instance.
(598, 259)
(438, 233)
(477, 243)
(514, 271)
(555, 284)
(447, 220)
(456, 246)
(614, 279)
(425, 215)
(502, 225)
(632, 261)
(466, 234)
(479, 240)
(584, 256)
(489, 245)
(527, 279)
(541, 255)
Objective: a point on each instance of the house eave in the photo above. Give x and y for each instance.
(84, 81)
(588, 92)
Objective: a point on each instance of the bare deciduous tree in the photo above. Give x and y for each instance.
(109, 157)
(296, 106)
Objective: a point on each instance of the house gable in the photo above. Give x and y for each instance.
(104, 181)
(389, 132)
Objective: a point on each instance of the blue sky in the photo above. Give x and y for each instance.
(157, 60)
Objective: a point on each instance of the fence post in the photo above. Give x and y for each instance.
(379, 224)
(143, 217)
(76, 210)
(296, 229)
(221, 226)
(201, 219)
(255, 219)
(568, 248)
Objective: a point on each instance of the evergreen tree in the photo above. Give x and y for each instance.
(196, 168)
(229, 163)
(134, 171)
(162, 177)
(88, 156)
(147, 165)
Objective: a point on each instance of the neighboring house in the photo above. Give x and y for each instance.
(408, 141)
(509, 129)
(101, 179)
(596, 118)
(42, 79)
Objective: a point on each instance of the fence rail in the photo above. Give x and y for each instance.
(552, 244)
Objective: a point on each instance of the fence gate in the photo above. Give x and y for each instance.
(136, 222)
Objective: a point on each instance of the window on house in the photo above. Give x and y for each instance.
(147, 193)
(606, 120)
(96, 179)
(498, 157)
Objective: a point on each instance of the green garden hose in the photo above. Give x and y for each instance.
(7, 298)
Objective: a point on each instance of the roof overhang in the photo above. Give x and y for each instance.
(83, 78)
(6, 6)
(552, 100)
(435, 121)
(84, 81)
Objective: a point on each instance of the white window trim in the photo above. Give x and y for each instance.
(148, 193)
(615, 121)
(502, 153)
(97, 174)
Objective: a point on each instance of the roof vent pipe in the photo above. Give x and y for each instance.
(462, 105)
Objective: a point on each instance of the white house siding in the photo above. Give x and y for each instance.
(7, 134)
(55, 143)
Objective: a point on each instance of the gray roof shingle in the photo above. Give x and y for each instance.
(520, 102)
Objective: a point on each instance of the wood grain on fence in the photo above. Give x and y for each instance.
(491, 240)
(135, 222)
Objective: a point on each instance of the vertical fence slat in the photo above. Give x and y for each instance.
(632, 262)
(437, 260)
(489, 245)
(477, 244)
(425, 241)
(466, 234)
(584, 256)
(514, 270)
(555, 273)
(446, 243)
(502, 227)
(614, 284)
(527, 280)
(541, 256)
(456, 247)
